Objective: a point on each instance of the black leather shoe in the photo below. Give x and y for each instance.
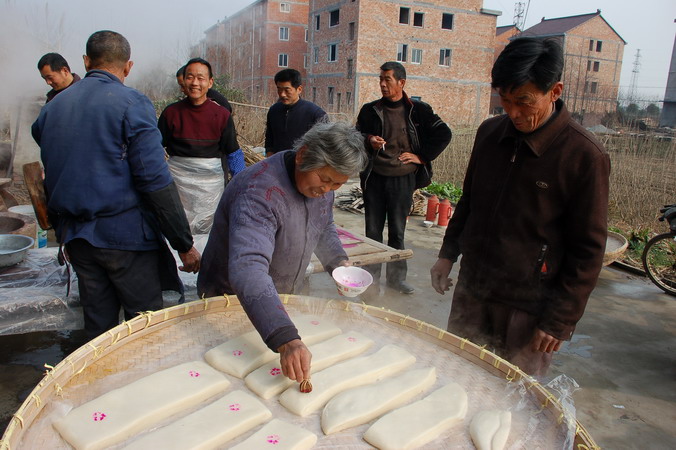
(402, 287)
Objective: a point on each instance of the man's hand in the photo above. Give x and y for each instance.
(545, 342)
(408, 158)
(377, 142)
(345, 263)
(190, 260)
(295, 358)
(440, 272)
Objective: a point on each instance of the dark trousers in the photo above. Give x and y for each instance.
(111, 279)
(388, 198)
(506, 330)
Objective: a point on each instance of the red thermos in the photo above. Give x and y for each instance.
(432, 208)
(444, 212)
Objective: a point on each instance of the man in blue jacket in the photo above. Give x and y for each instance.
(110, 195)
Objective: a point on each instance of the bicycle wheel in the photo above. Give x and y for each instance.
(659, 261)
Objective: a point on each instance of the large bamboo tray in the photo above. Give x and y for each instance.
(161, 339)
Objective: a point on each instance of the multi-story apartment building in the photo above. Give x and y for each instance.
(257, 42)
(593, 53)
(445, 45)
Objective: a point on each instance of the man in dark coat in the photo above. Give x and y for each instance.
(403, 136)
(531, 223)
(55, 71)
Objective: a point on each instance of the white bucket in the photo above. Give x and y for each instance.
(27, 210)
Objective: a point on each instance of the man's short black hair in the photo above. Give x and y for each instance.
(108, 48)
(535, 60)
(55, 62)
(199, 61)
(181, 72)
(397, 69)
(290, 75)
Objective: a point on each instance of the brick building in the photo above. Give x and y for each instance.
(257, 42)
(502, 37)
(445, 45)
(593, 53)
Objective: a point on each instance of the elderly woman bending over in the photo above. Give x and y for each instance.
(270, 220)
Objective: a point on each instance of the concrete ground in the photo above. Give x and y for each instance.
(622, 355)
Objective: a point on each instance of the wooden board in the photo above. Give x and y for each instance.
(363, 251)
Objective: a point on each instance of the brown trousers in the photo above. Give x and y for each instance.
(505, 330)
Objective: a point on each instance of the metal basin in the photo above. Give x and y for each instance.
(13, 248)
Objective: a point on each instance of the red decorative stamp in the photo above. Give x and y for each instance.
(98, 416)
(238, 352)
(234, 407)
(273, 439)
(352, 339)
(315, 322)
(194, 373)
(275, 371)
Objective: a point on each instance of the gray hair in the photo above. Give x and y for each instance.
(338, 145)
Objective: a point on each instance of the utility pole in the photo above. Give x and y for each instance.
(634, 77)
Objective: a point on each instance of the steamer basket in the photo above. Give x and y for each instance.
(162, 339)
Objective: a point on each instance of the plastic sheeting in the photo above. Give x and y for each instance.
(200, 183)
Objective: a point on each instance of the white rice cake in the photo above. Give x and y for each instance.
(414, 425)
(353, 373)
(363, 404)
(279, 435)
(489, 429)
(268, 380)
(209, 427)
(124, 412)
(240, 355)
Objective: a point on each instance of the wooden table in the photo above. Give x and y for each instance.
(363, 251)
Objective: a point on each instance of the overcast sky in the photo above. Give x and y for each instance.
(160, 31)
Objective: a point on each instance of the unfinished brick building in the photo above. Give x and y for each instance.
(593, 53)
(445, 45)
(257, 42)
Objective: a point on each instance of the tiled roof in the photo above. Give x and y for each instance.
(504, 29)
(561, 25)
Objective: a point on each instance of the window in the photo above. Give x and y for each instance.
(348, 98)
(285, 7)
(418, 19)
(315, 56)
(416, 56)
(305, 60)
(314, 95)
(330, 95)
(260, 34)
(447, 21)
(259, 60)
(334, 18)
(599, 45)
(445, 57)
(350, 68)
(318, 20)
(306, 34)
(591, 45)
(594, 87)
(351, 30)
(333, 52)
(283, 60)
(283, 33)
(403, 15)
(586, 86)
(597, 65)
(402, 52)
(338, 95)
(589, 65)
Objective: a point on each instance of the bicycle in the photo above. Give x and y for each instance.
(659, 254)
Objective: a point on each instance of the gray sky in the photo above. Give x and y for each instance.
(161, 31)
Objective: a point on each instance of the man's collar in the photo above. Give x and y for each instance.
(541, 139)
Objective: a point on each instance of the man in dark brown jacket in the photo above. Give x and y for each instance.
(531, 223)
